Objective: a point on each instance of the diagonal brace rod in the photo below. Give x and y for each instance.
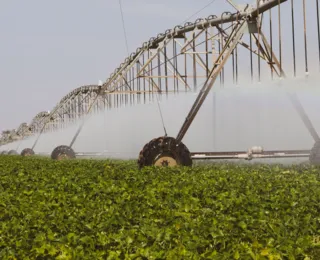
(304, 117)
(232, 42)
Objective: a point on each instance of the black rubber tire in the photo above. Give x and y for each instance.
(63, 152)
(12, 152)
(27, 152)
(164, 146)
(4, 152)
(315, 154)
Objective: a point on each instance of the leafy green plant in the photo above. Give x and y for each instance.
(90, 209)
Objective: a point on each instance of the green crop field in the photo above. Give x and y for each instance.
(90, 209)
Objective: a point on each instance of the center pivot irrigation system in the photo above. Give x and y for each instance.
(173, 62)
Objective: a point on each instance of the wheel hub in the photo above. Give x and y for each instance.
(166, 161)
(62, 156)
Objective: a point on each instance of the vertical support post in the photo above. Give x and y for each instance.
(194, 62)
(222, 46)
(159, 72)
(251, 60)
(150, 88)
(166, 66)
(305, 37)
(144, 82)
(318, 29)
(185, 68)
(280, 36)
(174, 53)
(133, 87)
(293, 40)
(138, 84)
(207, 52)
(258, 26)
(214, 98)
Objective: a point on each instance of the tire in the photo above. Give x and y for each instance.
(165, 152)
(315, 154)
(27, 152)
(63, 152)
(12, 152)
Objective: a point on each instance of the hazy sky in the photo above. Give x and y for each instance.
(49, 48)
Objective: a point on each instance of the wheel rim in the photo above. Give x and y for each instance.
(166, 161)
(164, 151)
